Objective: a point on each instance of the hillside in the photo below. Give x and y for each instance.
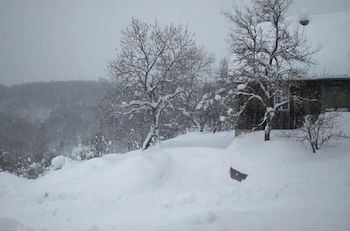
(184, 184)
(45, 119)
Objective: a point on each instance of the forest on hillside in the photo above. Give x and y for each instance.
(42, 120)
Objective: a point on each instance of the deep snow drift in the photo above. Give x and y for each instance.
(184, 184)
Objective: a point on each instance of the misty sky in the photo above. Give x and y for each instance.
(42, 40)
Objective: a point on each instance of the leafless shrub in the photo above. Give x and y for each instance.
(320, 130)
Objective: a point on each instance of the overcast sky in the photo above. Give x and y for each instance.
(42, 40)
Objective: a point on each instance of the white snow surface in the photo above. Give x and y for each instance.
(184, 184)
(9, 224)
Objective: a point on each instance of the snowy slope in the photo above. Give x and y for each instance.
(184, 184)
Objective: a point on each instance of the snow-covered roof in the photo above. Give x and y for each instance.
(330, 32)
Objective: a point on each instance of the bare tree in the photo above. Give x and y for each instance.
(266, 54)
(319, 130)
(153, 70)
(215, 109)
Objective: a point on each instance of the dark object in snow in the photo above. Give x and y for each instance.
(304, 22)
(236, 175)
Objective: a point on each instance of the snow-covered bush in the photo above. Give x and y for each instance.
(22, 166)
(82, 152)
(320, 130)
(58, 162)
(212, 112)
(35, 169)
(99, 146)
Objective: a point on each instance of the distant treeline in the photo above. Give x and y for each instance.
(41, 120)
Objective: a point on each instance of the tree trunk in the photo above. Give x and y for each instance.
(267, 132)
(201, 129)
(153, 134)
(147, 142)
(268, 127)
(313, 147)
(196, 123)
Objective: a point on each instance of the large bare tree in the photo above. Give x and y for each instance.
(154, 70)
(267, 52)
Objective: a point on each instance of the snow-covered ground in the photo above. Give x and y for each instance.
(184, 184)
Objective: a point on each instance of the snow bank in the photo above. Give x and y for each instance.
(200, 139)
(184, 184)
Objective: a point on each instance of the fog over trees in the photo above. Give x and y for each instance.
(43, 120)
